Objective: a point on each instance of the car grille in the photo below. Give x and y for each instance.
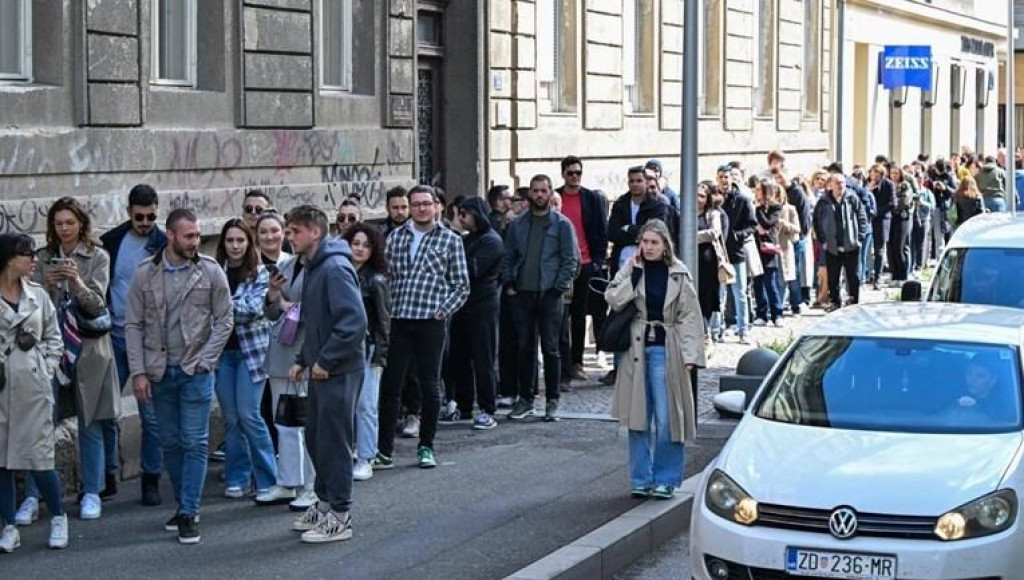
(740, 572)
(868, 525)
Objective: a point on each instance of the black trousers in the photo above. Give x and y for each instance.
(474, 345)
(849, 263)
(422, 341)
(578, 310)
(331, 435)
(538, 313)
(508, 349)
(880, 239)
(899, 248)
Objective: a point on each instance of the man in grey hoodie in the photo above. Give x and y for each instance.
(334, 327)
(991, 181)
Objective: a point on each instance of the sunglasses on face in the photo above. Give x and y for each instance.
(574, 173)
(27, 253)
(145, 217)
(347, 218)
(253, 209)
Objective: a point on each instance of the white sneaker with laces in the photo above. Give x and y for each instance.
(234, 492)
(58, 532)
(305, 499)
(332, 527)
(274, 495)
(10, 539)
(28, 512)
(308, 520)
(91, 507)
(362, 470)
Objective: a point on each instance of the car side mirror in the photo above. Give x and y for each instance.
(732, 402)
(910, 291)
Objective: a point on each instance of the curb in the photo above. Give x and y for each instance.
(614, 546)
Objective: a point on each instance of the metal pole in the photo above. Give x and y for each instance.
(840, 75)
(1010, 116)
(688, 176)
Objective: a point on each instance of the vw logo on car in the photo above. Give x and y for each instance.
(843, 523)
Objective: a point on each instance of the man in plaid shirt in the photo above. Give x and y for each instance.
(429, 282)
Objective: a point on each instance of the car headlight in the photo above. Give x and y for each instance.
(727, 499)
(987, 515)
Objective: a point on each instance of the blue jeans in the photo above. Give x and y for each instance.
(48, 481)
(366, 411)
(995, 204)
(183, 405)
(248, 448)
(768, 290)
(796, 294)
(866, 256)
(150, 455)
(739, 297)
(665, 467)
(90, 455)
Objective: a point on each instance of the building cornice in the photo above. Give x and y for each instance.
(930, 13)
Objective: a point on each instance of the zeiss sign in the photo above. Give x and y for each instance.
(906, 66)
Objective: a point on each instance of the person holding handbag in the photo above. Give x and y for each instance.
(73, 267)
(768, 286)
(712, 224)
(652, 388)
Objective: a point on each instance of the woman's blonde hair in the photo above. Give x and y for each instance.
(658, 227)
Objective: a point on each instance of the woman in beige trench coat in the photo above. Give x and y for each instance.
(74, 266)
(30, 349)
(653, 381)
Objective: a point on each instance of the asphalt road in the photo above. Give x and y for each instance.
(671, 561)
(498, 501)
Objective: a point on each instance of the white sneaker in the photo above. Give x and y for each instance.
(760, 322)
(308, 520)
(362, 471)
(275, 495)
(331, 528)
(10, 539)
(505, 402)
(305, 499)
(234, 492)
(412, 427)
(91, 507)
(58, 532)
(28, 512)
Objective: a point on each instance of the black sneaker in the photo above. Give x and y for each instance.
(109, 486)
(188, 529)
(522, 409)
(551, 411)
(172, 524)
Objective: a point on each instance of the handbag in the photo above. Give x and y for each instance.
(89, 326)
(290, 326)
(291, 408)
(726, 271)
(615, 332)
(769, 248)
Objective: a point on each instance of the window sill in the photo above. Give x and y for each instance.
(171, 86)
(641, 115)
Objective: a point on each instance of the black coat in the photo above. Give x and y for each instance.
(485, 251)
(740, 211)
(885, 199)
(623, 232)
(768, 219)
(798, 199)
(594, 224)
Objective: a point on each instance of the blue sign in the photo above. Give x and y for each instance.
(906, 66)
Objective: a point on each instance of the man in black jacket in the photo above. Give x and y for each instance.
(885, 207)
(740, 211)
(129, 244)
(631, 211)
(475, 325)
(585, 211)
(840, 224)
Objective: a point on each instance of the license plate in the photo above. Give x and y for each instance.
(846, 565)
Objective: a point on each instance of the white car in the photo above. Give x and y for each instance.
(885, 444)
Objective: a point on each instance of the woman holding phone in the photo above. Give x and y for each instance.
(652, 388)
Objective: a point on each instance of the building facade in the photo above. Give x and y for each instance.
(308, 100)
(968, 42)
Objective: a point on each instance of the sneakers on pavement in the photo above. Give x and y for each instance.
(58, 532)
(308, 520)
(505, 402)
(274, 495)
(109, 486)
(450, 414)
(234, 492)
(28, 512)
(551, 411)
(411, 429)
(426, 457)
(484, 421)
(331, 527)
(188, 530)
(10, 539)
(744, 339)
(663, 492)
(777, 323)
(362, 470)
(382, 462)
(522, 409)
(760, 322)
(91, 507)
(577, 373)
(303, 501)
(171, 525)
(218, 454)
(642, 492)
(150, 489)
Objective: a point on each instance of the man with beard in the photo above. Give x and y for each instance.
(631, 211)
(397, 203)
(540, 263)
(180, 316)
(129, 244)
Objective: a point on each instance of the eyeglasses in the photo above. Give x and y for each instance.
(253, 209)
(342, 218)
(574, 173)
(422, 204)
(145, 217)
(27, 253)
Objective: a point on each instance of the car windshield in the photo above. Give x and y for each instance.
(993, 276)
(898, 385)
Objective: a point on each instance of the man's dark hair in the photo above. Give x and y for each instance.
(570, 161)
(923, 157)
(256, 193)
(440, 196)
(142, 195)
(989, 159)
(541, 177)
(724, 169)
(735, 164)
(522, 192)
(178, 215)
(308, 216)
(881, 159)
(835, 167)
(423, 189)
(495, 193)
(396, 191)
(641, 169)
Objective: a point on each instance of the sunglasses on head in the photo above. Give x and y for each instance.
(348, 218)
(253, 209)
(145, 217)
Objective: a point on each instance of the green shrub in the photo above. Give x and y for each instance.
(779, 345)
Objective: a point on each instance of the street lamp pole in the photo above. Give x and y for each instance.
(1010, 113)
(688, 176)
(839, 76)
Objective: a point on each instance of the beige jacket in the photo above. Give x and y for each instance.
(98, 392)
(789, 233)
(26, 403)
(207, 318)
(684, 344)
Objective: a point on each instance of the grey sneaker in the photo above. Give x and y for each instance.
(450, 414)
(332, 527)
(522, 409)
(484, 421)
(551, 411)
(308, 520)
(411, 429)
